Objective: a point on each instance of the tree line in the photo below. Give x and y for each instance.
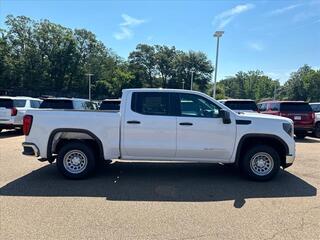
(43, 58)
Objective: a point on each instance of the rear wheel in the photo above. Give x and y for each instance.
(261, 163)
(301, 135)
(76, 160)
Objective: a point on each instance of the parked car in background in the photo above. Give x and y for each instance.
(110, 104)
(67, 103)
(240, 105)
(300, 112)
(161, 125)
(12, 110)
(316, 108)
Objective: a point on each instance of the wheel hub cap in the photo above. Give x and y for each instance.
(75, 161)
(261, 163)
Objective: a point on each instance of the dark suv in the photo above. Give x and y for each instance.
(67, 103)
(110, 104)
(241, 105)
(300, 112)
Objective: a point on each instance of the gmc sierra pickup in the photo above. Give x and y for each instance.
(161, 125)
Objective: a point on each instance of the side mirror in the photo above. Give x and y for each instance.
(225, 115)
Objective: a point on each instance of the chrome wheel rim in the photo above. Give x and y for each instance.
(75, 161)
(261, 164)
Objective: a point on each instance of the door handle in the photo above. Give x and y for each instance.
(186, 124)
(133, 122)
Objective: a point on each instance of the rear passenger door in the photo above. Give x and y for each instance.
(149, 127)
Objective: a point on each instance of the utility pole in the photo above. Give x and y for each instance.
(217, 34)
(192, 71)
(89, 80)
(183, 84)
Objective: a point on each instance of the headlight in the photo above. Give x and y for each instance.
(288, 128)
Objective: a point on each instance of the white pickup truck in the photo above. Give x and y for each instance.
(161, 125)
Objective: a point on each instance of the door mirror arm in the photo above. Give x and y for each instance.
(225, 115)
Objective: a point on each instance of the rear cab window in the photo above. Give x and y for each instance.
(57, 104)
(6, 103)
(295, 107)
(150, 103)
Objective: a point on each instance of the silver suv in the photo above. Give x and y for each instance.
(12, 110)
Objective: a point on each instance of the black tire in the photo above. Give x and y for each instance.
(268, 155)
(300, 135)
(317, 130)
(80, 152)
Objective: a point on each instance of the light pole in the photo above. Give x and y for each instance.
(89, 80)
(192, 71)
(183, 84)
(217, 34)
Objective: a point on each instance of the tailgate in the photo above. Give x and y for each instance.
(299, 118)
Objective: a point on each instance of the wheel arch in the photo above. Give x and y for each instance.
(268, 139)
(88, 133)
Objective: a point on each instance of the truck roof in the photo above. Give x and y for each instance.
(159, 90)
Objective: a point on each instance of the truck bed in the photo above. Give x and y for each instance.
(103, 124)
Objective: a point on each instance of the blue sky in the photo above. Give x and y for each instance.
(276, 37)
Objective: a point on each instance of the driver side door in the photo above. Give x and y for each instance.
(201, 133)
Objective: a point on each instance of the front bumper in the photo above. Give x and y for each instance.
(30, 149)
(289, 161)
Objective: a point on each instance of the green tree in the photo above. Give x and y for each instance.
(303, 85)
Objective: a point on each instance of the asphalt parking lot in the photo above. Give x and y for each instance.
(157, 201)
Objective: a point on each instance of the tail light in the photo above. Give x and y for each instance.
(27, 123)
(14, 111)
(313, 116)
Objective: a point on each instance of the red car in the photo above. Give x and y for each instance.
(300, 112)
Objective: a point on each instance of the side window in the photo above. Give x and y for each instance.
(77, 105)
(19, 103)
(262, 107)
(196, 106)
(150, 103)
(274, 107)
(35, 103)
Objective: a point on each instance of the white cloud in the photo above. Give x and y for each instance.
(256, 46)
(126, 31)
(131, 21)
(284, 9)
(224, 18)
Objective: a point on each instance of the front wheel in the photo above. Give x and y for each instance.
(261, 163)
(76, 160)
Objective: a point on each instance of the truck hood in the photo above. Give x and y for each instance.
(253, 115)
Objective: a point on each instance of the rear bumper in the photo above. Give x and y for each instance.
(303, 128)
(30, 149)
(9, 126)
